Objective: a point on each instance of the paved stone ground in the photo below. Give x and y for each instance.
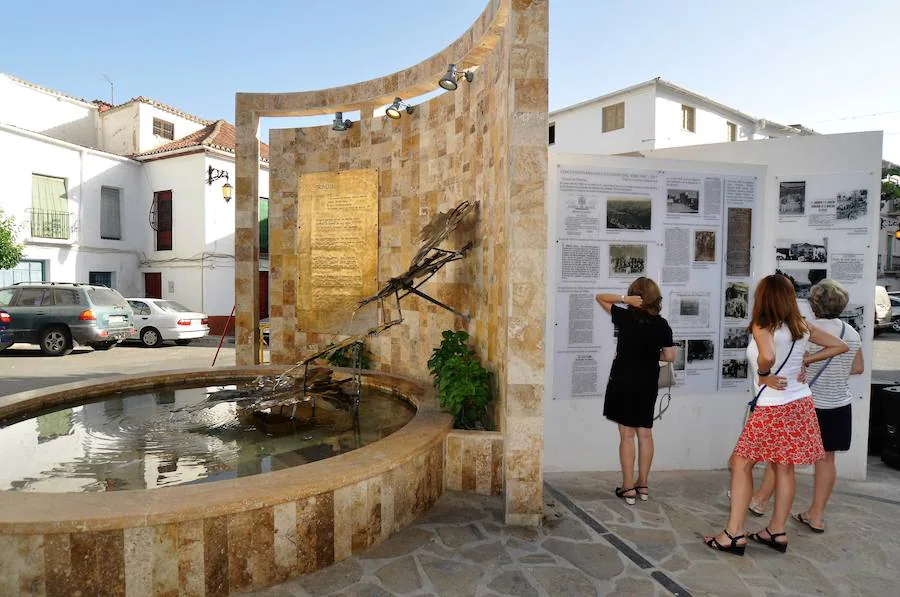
(461, 547)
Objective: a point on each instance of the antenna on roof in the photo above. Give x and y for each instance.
(112, 90)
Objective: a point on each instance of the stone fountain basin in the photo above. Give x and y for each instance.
(222, 536)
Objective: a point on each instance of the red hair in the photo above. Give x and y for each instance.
(775, 304)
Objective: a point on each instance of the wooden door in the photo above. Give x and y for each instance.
(153, 285)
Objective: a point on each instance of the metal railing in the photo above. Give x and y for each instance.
(49, 224)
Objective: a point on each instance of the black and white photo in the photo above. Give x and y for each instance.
(853, 315)
(792, 198)
(689, 307)
(680, 350)
(801, 251)
(803, 279)
(734, 369)
(852, 205)
(627, 213)
(627, 261)
(704, 246)
(736, 300)
(735, 337)
(682, 201)
(700, 350)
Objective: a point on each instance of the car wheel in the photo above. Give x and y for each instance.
(151, 337)
(102, 345)
(183, 342)
(895, 325)
(5, 345)
(55, 341)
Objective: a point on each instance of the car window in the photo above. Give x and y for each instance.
(6, 296)
(33, 297)
(65, 296)
(139, 308)
(895, 301)
(172, 307)
(105, 297)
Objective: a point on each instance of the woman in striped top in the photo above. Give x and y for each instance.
(828, 381)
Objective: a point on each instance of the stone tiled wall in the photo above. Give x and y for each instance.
(486, 142)
(226, 554)
(473, 462)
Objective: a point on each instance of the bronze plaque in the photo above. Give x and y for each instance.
(338, 249)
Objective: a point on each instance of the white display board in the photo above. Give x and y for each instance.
(699, 429)
(689, 231)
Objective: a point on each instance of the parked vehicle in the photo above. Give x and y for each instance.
(158, 320)
(5, 332)
(57, 315)
(882, 309)
(895, 312)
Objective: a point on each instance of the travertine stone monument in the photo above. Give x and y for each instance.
(485, 142)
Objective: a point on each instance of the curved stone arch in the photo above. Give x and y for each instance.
(468, 51)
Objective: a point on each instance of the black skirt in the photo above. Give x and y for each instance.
(630, 404)
(836, 425)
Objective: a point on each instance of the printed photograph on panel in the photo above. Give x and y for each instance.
(626, 261)
(737, 253)
(734, 369)
(704, 246)
(682, 201)
(803, 279)
(853, 316)
(736, 295)
(736, 337)
(801, 251)
(852, 205)
(680, 350)
(792, 198)
(628, 213)
(689, 307)
(700, 350)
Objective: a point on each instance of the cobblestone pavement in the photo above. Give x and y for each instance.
(593, 544)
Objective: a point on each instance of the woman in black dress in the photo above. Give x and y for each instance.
(644, 339)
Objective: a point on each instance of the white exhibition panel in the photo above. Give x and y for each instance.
(598, 226)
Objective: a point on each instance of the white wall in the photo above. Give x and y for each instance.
(581, 130)
(119, 129)
(710, 122)
(51, 114)
(86, 171)
(798, 156)
(147, 140)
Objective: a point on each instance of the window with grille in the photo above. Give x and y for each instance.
(161, 219)
(100, 279)
(110, 214)
(614, 117)
(163, 128)
(552, 133)
(688, 118)
(732, 132)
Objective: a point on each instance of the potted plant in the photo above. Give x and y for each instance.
(463, 385)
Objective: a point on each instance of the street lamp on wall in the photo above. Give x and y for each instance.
(214, 174)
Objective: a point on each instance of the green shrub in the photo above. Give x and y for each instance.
(463, 385)
(346, 357)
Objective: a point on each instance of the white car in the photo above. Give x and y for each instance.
(157, 320)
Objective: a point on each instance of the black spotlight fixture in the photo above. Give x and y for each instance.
(393, 111)
(339, 123)
(450, 81)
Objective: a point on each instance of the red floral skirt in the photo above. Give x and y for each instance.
(785, 434)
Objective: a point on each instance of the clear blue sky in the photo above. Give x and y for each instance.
(820, 63)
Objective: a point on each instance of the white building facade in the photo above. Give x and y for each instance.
(656, 114)
(85, 182)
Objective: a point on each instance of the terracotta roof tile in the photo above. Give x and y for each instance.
(219, 135)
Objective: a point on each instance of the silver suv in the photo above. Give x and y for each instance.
(56, 315)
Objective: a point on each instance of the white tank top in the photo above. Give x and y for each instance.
(794, 389)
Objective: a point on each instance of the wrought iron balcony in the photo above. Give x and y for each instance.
(49, 224)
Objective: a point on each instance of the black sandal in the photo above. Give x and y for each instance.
(629, 499)
(771, 542)
(804, 520)
(734, 548)
(644, 495)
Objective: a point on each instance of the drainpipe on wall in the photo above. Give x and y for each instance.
(81, 156)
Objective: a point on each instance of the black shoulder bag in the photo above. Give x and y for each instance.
(752, 403)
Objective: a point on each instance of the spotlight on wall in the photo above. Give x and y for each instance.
(339, 123)
(450, 81)
(393, 111)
